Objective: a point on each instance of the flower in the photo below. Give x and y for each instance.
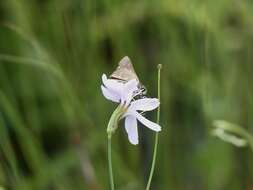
(117, 91)
(124, 94)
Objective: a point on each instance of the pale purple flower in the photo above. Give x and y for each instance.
(124, 93)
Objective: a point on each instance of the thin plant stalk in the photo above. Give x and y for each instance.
(110, 162)
(159, 67)
(112, 126)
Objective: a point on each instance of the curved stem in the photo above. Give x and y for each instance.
(157, 133)
(236, 129)
(110, 162)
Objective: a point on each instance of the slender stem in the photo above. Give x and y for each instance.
(157, 133)
(110, 161)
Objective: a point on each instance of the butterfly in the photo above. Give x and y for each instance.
(125, 72)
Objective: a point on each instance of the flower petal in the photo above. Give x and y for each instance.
(104, 78)
(112, 84)
(151, 125)
(131, 129)
(110, 95)
(119, 89)
(145, 104)
(129, 88)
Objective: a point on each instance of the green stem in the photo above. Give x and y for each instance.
(157, 133)
(110, 161)
(112, 126)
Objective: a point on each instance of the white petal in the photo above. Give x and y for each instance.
(131, 129)
(145, 104)
(110, 95)
(112, 84)
(104, 78)
(124, 91)
(151, 125)
(129, 88)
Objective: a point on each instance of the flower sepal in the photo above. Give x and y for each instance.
(114, 120)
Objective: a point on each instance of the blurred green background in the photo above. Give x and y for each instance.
(53, 116)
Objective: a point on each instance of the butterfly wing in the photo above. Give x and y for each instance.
(125, 70)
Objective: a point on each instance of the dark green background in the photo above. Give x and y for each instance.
(53, 116)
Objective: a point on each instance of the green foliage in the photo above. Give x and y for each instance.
(53, 116)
